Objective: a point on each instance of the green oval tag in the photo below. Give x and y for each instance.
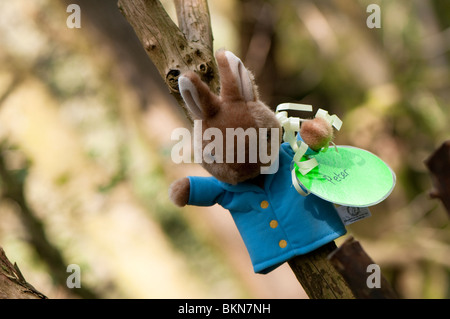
(349, 176)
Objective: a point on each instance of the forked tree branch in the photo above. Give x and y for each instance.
(175, 50)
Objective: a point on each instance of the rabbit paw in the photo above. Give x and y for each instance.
(317, 133)
(179, 192)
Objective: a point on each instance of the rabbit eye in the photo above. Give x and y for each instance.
(212, 155)
(209, 158)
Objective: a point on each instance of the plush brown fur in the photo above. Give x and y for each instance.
(238, 106)
(179, 191)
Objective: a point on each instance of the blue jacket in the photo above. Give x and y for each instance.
(276, 223)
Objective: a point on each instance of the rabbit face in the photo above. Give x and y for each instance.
(248, 127)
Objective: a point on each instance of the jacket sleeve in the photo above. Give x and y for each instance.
(204, 191)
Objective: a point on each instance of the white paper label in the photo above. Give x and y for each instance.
(350, 215)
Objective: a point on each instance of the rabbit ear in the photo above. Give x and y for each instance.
(236, 80)
(197, 96)
(190, 96)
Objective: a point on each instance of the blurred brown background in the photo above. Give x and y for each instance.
(85, 125)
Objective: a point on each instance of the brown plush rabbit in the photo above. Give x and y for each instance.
(275, 222)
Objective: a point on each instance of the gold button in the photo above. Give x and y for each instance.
(264, 204)
(273, 224)
(282, 243)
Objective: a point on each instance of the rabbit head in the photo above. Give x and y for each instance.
(238, 114)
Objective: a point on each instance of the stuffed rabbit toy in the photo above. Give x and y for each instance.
(276, 223)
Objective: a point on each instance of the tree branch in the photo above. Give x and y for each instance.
(352, 262)
(318, 277)
(175, 51)
(12, 283)
(194, 21)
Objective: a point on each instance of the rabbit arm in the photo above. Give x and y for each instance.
(199, 191)
(205, 191)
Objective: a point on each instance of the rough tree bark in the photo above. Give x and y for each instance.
(352, 262)
(318, 277)
(12, 283)
(175, 50)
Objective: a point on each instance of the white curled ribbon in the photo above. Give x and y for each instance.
(335, 121)
(291, 126)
